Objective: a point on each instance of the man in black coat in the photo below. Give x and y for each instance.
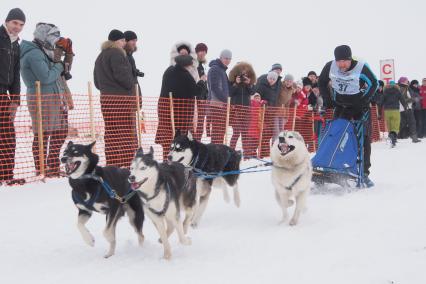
(130, 48)
(178, 81)
(353, 86)
(114, 78)
(10, 89)
(202, 106)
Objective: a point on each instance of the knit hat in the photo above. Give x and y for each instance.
(130, 35)
(226, 53)
(312, 73)
(299, 84)
(184, 60)
(392, 83)
(183, 46)
(276, 66)
(273, 76)
(403, 81)
(414, 82)
(115, 35)
(201, 47)
(306, 82)
(15, 14)
(288, 77)
(381, 83)
(343, 52)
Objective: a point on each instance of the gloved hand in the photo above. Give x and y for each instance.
(139, 73)
(57, 54)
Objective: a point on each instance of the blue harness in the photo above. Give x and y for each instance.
(110, 191)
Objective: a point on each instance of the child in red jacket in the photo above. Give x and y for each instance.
(256, 105)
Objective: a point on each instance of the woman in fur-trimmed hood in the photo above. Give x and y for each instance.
(185, 48)
(242, 79)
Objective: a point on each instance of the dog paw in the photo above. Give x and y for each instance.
(293, 222)
(89, 239)
(186, 241)
(141, 239)
(167, 255)
(237, 202)
(194, 225)
(108, 255)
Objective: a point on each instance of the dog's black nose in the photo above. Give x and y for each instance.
(281, 139)
(64, 160)
(132, 178)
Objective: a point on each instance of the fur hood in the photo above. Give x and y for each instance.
(174, 53)
(241, 67)
(111, 44)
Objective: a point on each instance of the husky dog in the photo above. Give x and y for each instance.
(207, 159)
(291, 173)
(165, 189)
(89, 194)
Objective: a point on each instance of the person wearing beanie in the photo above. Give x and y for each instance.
(130, 48)
(414, 91)
(10, 90)
(113, 77)
(379, 93)
(407, 127)
(353, 86)
(218, 86)
(202, 107)
(313, 77)
(41, 61)
(269, 87)
(277, 67)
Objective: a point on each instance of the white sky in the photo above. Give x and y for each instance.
(301, 35)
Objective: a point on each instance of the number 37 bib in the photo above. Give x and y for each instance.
(345, 83)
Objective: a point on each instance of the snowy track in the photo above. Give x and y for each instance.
(370, 236)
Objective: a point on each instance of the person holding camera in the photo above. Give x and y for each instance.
(242, 79)
(10, 90)
(41, 60)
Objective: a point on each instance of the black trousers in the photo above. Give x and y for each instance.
(418, 115)
(357, 114)
(407, 126)
(7, 138)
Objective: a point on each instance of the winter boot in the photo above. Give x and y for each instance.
(392, 137)
(415, 139)
(368, 182)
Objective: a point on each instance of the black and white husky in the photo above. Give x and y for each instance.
(89, 195)
(210, 162)
(165, 189)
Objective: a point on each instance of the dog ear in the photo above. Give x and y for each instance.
(70, 144)
(190, 137)
(151, 150)
(177, 133)
(91, 144)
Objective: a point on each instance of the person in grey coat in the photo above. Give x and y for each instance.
(41, 61)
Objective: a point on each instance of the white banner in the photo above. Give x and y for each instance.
(387, 70)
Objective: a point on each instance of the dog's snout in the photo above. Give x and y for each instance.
(132, 178)
(64, 159)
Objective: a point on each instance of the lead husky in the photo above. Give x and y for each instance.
(207, 158)
(291, 173)
(165, 189)
(89, 195)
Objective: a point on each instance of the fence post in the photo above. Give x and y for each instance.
(378, 122)
(262, 120)
(40, 130)
(293, 126)
(138, 116)
(313, 132)
(91, 113)
(228, 111)
(172, 114)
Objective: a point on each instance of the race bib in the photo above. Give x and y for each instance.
(346, 83)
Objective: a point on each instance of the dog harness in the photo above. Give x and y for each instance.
(156, 193)
(110, 192)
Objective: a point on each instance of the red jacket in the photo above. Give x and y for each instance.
(255, 112)
(302, 100)
(423, 95)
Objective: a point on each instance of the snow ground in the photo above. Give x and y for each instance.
(368, 236)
